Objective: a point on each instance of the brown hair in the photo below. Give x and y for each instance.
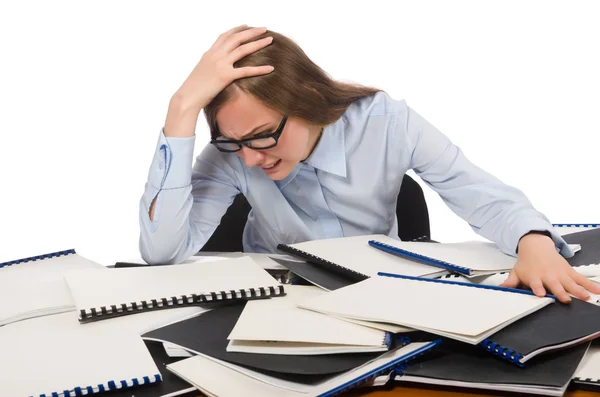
(297, 87)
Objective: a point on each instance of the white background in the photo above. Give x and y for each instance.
(84, 88)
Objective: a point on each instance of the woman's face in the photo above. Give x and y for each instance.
(245, 117)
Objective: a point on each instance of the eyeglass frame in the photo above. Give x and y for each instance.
(246, 142)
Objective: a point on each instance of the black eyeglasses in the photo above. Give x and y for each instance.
(259, 142)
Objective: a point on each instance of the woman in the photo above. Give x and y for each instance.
(319, 159)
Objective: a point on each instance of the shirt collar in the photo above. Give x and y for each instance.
(330, 153)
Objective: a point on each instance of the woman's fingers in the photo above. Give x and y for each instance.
(250, 71)
(249, 48)
(536, 285)
(573, 288)
(235, 40)
(225, 35)
(556, 288)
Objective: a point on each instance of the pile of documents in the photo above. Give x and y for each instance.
(320, 318)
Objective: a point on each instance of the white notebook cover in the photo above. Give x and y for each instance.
(55, 353)
(278, 326)
(37, 287)
(355, 253)
(208, 374)
(99, 290)
(468, 314)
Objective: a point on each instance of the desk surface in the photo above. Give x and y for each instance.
(418, 392)
(405, 391)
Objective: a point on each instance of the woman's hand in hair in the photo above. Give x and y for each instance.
(215, 70)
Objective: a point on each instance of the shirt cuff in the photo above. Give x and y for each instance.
(538, 224)
(171, 166)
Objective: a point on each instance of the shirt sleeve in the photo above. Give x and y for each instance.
(190, 201)
(496, 211)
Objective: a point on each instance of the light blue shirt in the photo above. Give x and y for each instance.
(348, 186)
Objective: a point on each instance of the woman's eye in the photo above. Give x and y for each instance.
(263, 134)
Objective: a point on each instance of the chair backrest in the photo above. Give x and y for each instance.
(411, 209)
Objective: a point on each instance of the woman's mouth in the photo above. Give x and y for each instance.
(271, 167)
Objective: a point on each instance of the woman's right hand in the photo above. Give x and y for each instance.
(215, 70)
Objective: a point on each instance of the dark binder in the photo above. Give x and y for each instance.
(590, 247)
(207, 334)
(315, 274)
(554, 327)
(459, 365)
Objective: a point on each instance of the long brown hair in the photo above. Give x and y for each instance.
(297, 87)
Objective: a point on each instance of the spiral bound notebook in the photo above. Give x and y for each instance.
(170, 386)
(36, 286)
(109, 293)
(208, 374)
(425, 304)
(585, 261)
(587, 376)
(278, 326)
(457, 365)
(56, 356)
(554, 327)
(470, 258)
(352, 258)
(569, 228)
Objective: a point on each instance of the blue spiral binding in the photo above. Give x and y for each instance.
(494, 287)
(110, 385)
(419, 258)
(501, 351)
(383, 370)
(39, 257)
(576, 224)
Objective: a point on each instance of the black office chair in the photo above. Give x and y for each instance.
(413, 219)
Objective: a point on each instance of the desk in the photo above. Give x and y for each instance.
(431, 392)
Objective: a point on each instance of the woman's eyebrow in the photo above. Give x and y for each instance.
(254, 130)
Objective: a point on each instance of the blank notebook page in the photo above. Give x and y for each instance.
(95, 288)
(281, 320)
(356, 254)
(55, 353)
(459, 312)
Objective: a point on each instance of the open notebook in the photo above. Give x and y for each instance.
(36, 286)
(278, 326)
(354, 259)
(208, 374)
(465, 312)
(456, 364)
(101, 294)
(56, 356)
(207, 333)
(470, 258)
